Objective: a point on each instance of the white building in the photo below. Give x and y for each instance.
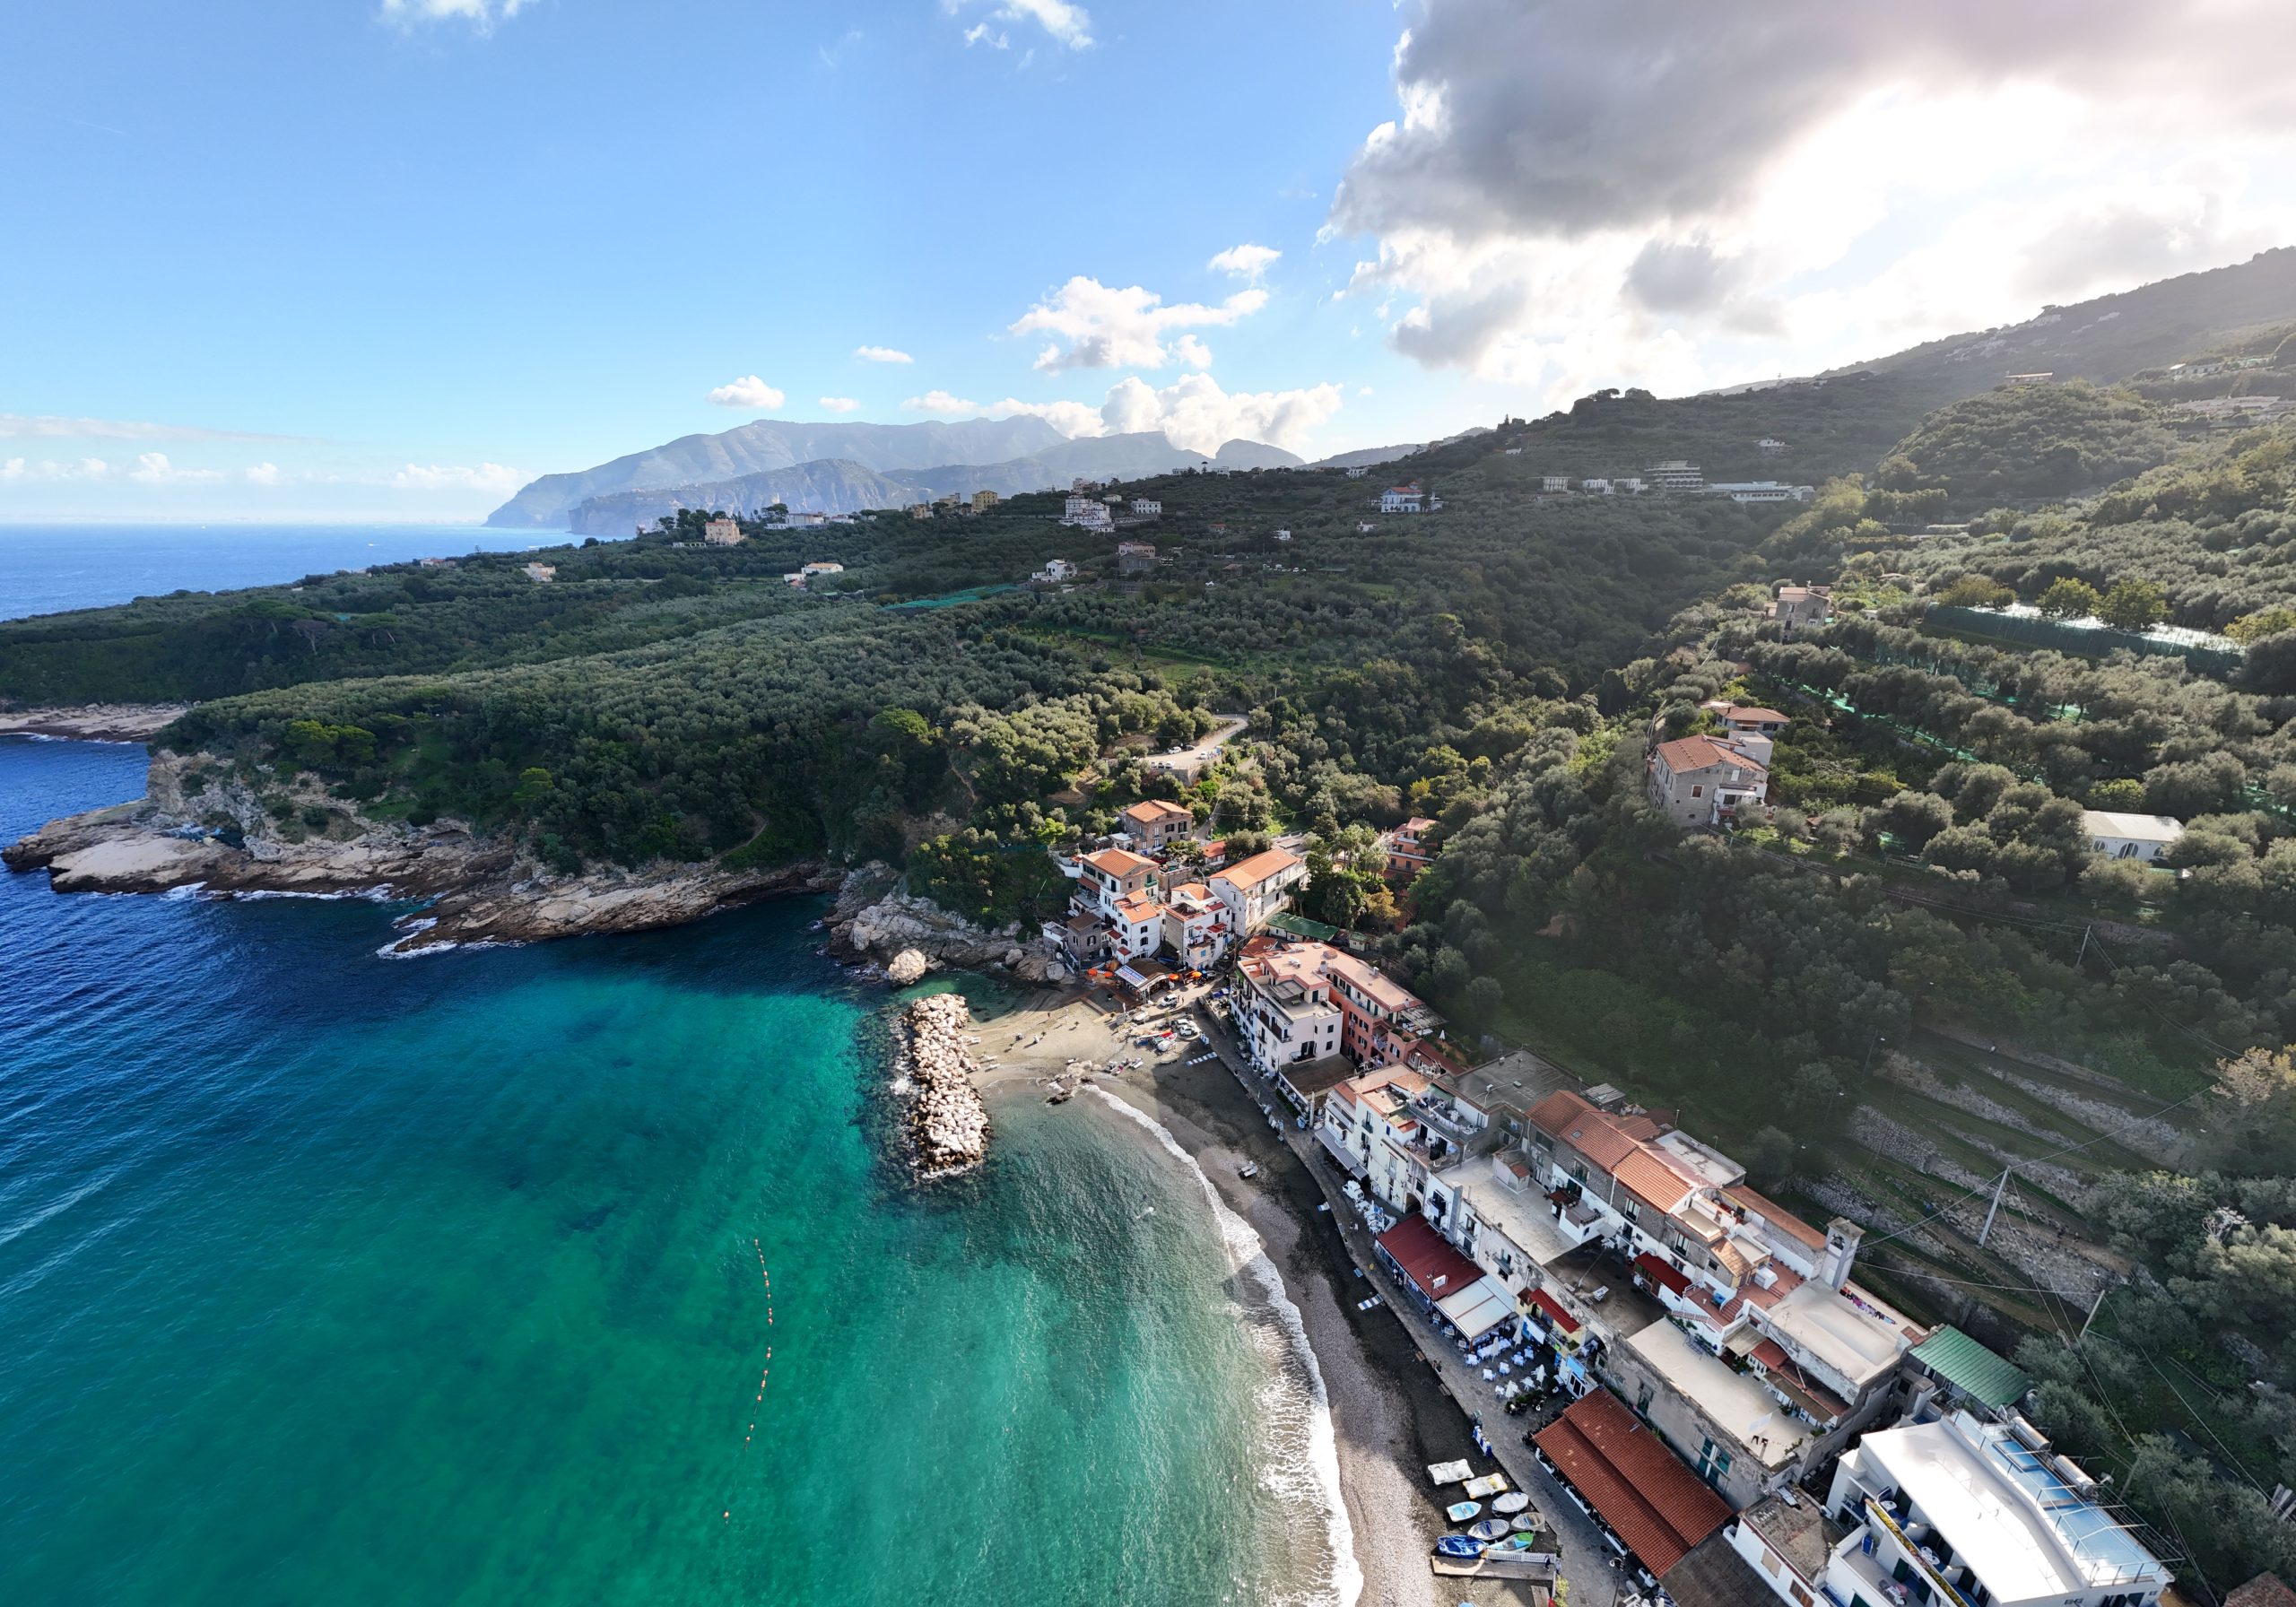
(1054, 571)
(822, 567)
(1258, 888)
(1761, 491)
(1197, 928)
(1699, 780)
(1370, 1126)
(1770, 446)
(1552, 483)
(1629, 482)
(1598, 486)
(1957, 1512)
(1676, 474)
(1089, 513)
(1402, 499)
(540, 571)
(1146, 508)
(2115, 836)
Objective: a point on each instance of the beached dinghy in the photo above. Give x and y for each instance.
(1489, 1484)
(1489, 1529)
(1460, 1512)
(1514, 1500)
(1458, 1545)
(1526, 1523)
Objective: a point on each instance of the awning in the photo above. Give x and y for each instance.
(1971, 1368)
(1552, 1309)
(1478, 1308)
(1141, 974)
(1660, 1273)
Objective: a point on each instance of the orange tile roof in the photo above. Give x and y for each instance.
(1642, 1490)
(1775, 1215)
(1703, 752)
(1736, 712)
(1119, 862)
(1652, 1180)
(1153, 809)
(1246, 874)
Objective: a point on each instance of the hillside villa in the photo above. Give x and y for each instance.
(2143, 837)
(1155, 825)
(1702, 781)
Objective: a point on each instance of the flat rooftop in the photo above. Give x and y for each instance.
(1526, 1218)
(1735, 1403)
(1837, 1333)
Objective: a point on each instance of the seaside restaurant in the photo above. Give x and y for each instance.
(1451, 1290)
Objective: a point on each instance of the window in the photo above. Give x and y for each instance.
(1800, 1595)
(1642, 1403)
(1697, 791)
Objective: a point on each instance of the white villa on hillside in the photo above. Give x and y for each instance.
(2130, 836)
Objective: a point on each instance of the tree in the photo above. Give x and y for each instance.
(1913, 819)
(2251, 1114)
(2070, 599)
(2133, 605)
(1769, 1156)
(2266, 622)
(1977, 591)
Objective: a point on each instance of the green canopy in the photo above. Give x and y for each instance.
(1971, 1368)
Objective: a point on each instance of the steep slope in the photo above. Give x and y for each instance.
(777, 444)
(828, 485)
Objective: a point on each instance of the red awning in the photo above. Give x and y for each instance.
(1661, 1274)
(1553, 1310)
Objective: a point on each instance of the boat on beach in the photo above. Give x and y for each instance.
(1460, 1512)
(1514, 1500)
(1458, 1545)
(1489, 1529)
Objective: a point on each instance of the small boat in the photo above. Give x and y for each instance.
(1458, 1545)
(1489, 1484)
(1524, 1523)
(1514, 1500)
(1248, 1169)
(1489, 1529)
(1459, 1512)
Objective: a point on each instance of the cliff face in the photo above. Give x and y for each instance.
(221, 837)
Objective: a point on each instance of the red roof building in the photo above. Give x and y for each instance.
(1426, 1258)
(1552, 1309)
(1634, 1483)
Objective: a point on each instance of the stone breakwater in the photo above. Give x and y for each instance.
(948, 1124)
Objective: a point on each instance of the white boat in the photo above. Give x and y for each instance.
(1460, 1512)
(1514, 1500)
(1489, 1484)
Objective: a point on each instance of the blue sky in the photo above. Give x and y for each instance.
(387, 260)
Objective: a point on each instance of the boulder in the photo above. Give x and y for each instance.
(907, 967)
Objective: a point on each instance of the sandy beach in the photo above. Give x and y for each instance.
(1390, 1416)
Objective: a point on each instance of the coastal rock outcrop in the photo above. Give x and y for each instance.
(222, 836)
(94, 722)
(907, 967)
(874, 917)
(948, 1124)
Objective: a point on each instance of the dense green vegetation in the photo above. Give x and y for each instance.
(2025, 442)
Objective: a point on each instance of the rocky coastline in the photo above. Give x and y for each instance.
(94, 722)
(223, 834)
(932, 1070)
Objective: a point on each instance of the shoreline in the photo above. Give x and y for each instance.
(93, 722)
(1388, 1414)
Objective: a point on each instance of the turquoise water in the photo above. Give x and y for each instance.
(329, 1279)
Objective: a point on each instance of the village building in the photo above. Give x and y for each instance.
(1082, 486)
(1676, 474)
(1628, 482)
(920, 510)
(1761, 491)
(1650, 1506)
(1196, 929)
(1552, 483)
(1087, 513)
(722, 532)
(2018, 382)
(983, 500)
(821, 567)
(1953, 1510)
(1750, 730)
(1797, 606)
(544, 572)
(1596, 485)
(1258, 886)
(1055, 571)
(1155, 825)
(1134, 558)
(1299, 1000)
(1409, 851)
(2117, 836)
(1443, 1283)
(1704, 780)
(1770, 446)
(1408, 499)
(1146, 508)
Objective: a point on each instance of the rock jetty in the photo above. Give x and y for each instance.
(948, 1124)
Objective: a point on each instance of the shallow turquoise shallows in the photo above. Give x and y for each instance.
(326, 1279)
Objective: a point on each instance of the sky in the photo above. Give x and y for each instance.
(389, 259)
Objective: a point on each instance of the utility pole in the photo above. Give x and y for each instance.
(2092, 1318)
(1999, 1188)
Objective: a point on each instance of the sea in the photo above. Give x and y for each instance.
(579, 1273)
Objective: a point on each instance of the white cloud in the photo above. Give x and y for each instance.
(1121, 328)
(1556, 207)
(443, 477)
(749, 391)
(1192, 352)
(940, 402)
(153, 468)
(1245, 261)
(1200, 416)
(263, 474)
(48, 468)
(18, 426)
(839, 404)
(481, 14)
(1069, 25)
(882, 355)
(980, 33)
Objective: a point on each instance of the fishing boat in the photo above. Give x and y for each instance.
(1489, 1529)
(1514, 1500)
(1526, 1523)
(1458, 1545)
(1489, 1484)
(1460, 1512)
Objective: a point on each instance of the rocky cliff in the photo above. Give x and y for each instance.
(875, 917)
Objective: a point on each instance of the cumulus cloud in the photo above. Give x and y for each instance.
(481, 14)
(839, 404)
(264, 474)
(1069, 25)
(48, 468)
(1195, 413)
(981, 33)
(445, 477)
(882, 355)
(18, 426)
(1245, 261)
(1556, 202)
(749, 391)
(940, 402)
(153, 468)
(1107, 327)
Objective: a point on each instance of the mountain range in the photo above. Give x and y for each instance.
(837, 468)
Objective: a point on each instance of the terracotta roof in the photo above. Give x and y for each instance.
(1737, 713)
(1119, 862)
(1426, 1258)
(1557, 1112)
(1703, 752)
(1732, 1259)
(1661, 1272)
(1640, 1489)
(1775, 1215)
(1154, 810)
(1139, 907)
(1250, 872)
(2265, 1590)
(1553, 1309)
(1652, 1179)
